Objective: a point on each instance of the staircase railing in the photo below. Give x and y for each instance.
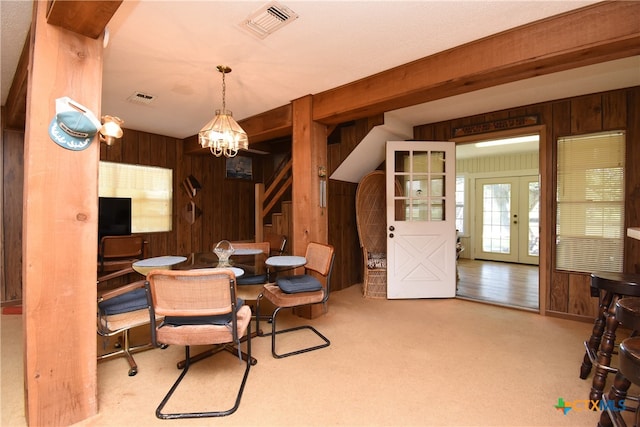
(267, 198)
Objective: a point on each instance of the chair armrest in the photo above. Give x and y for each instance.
(115, 274)
(121, 290)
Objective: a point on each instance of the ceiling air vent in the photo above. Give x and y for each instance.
(141, 98)
(268, 19)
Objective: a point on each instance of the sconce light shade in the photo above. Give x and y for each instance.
(111, 129)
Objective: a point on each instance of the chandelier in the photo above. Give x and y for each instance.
(223, 135)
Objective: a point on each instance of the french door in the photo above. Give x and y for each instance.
(507, 212)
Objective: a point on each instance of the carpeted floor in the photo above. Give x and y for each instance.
(391, 363)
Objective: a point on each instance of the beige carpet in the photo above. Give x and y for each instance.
(391, 363)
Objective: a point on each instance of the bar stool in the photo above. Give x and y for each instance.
(628, 314)
(600, 346)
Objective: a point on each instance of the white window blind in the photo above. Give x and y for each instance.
(590, 202)
(460, 213)
(150, 189)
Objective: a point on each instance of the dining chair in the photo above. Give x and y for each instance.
(250, 278)
(119, 311)
(119, 252)
(278, 243)
(300, 290)
(199, 308)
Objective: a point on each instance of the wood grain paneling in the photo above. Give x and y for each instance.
(13, 177)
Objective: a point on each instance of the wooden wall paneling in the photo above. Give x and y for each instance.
(423, 133)
(559, 292)
(559, 126)
(614, 110)
(586, 114)
(209, 234)
(14, 109)
(441, 132)
(143, 155)
(581, 302)
(12, 185)
(183, 229)
(60, 232)
(197, 229)
(129, 147)
(343, 235)
(334, 157)
(632, 179)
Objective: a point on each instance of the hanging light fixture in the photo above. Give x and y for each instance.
(223, 135)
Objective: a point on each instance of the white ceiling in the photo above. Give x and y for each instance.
(170, 49)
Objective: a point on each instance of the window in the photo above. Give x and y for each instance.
(590, 202)
(460, 214)
(150, 189)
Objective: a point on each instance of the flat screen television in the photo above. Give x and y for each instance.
(114, 216)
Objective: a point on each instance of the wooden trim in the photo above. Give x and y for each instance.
(598, 33)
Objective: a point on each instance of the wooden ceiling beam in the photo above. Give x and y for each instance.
(271, 124)
(88, 18)
(598, 33)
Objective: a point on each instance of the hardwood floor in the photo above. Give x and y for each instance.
(512, 285)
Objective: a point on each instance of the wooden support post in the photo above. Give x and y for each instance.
(60, 230)
(309, 154)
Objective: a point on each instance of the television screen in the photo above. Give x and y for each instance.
(114, 216)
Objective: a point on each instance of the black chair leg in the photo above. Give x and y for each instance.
(187, 363)
(275, 331)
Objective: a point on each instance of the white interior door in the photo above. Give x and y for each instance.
(421, 226)
(507, 219)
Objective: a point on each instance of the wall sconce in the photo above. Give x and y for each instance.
(111, 129)
(322, 174)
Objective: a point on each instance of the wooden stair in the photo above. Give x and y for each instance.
(281, 224)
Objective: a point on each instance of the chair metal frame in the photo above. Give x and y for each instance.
(121, 324)
(207, 304)
(320, 258)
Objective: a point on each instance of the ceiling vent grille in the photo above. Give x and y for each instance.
(268, 19)
(141, 98)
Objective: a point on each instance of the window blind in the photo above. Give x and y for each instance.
(150, 189)
(590, 202)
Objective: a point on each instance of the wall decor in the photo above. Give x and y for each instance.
(496, 125)
(191, 186)
(239, 167)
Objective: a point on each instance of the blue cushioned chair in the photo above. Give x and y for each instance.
(295, 291)
(119, 311)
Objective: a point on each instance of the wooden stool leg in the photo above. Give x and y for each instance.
(604, 355)
(617, 394)
(596, 334)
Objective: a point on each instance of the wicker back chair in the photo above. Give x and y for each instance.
(371, 218)
(199, 308)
